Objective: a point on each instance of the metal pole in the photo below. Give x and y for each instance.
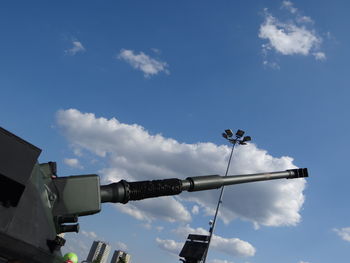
(211, 230)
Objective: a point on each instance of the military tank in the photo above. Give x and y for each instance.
(37, 206)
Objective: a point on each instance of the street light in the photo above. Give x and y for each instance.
(228, 135)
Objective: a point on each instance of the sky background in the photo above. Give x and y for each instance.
(142, 90)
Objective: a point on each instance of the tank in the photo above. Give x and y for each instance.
(37, 206)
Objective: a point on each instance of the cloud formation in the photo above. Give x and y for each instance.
(195, 210)
(77, 48)
(121, 246)
(220, 261)
(148, 65)
(132, 153)
(294, 37)
(287, 39)
(289, 6)
(89, 234)
(73, 162)
(165, 208)
(169, 245)
(344, 233)
(230, 246)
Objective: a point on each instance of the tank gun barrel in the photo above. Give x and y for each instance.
(37, 205)
(124, 191)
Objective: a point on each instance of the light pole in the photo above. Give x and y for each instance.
(228, 135)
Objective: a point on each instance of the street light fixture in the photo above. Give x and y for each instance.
(228, 136)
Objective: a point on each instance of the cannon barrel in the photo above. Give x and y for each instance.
(124, 191)
(36, 205)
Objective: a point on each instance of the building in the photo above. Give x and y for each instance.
(99, 252)
(120, 257)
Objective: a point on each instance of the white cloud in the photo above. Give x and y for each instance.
(147, 226)
(148, 65)
(233, 246)
(288, 39)
(230, 246)
(289, 6)
(195, 210)
(295, 37)
(319, 55)
(303, 262)
(156, 51)
(220, 261)
(184, 231)
(166, 208)
(73, 162)
(121, 246)
(344, 233)
(160, 228)
(77, 48)
(271, 64)
(170, 245)
(132, 153)
(304, 19)
(77, 152)
(90, 234)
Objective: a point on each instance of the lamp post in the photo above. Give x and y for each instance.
(228, 135)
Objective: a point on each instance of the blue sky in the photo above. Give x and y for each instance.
(142, 90)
